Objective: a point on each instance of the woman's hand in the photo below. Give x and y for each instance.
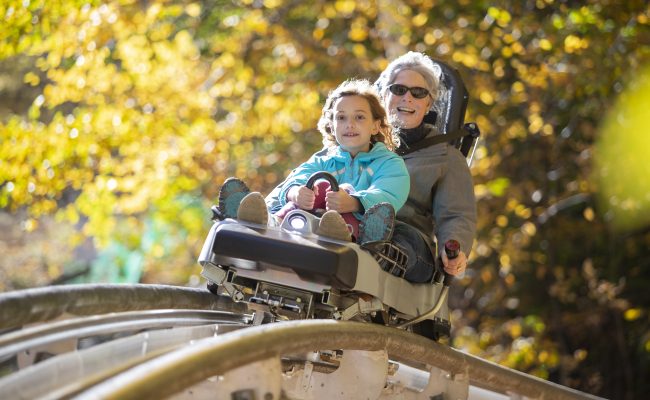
(341, 201)
(455, 266)
(303, 196)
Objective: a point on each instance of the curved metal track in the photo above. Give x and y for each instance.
(68, 373)
(43, 304)
(161, 362)
(185, 367)
(39, 336)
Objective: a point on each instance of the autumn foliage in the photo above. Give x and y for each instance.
(121, 118)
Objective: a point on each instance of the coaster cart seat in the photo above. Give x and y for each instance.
(290, 272)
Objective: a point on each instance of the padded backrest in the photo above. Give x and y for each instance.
(452, 101)
(448, 114)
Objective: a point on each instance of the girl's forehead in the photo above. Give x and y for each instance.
(351, 103)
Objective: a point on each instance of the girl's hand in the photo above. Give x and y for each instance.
(341, 201)
(303, 196)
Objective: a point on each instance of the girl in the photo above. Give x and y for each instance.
(358, 144)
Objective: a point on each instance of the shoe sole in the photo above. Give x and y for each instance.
(377, 224)
(333, 226)
(253, 209)
(231, 194)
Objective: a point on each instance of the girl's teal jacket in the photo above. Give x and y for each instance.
(376, 176)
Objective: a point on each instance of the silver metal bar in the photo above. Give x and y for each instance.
(429, 314)
(38, 336)
(22, 307)
(471, 157)
(185, 367)
(71, 372)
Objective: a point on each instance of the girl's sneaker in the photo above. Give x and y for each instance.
(253, 209)
(231, 194)
(377, 224)
(332, 225)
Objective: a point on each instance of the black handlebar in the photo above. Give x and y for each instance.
(334, 185)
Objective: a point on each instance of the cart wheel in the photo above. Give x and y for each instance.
(434, 330)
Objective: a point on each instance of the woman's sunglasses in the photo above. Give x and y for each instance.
(400, 90)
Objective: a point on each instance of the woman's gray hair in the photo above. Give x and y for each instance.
(413, 61)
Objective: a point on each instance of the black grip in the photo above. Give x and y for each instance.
(452, 250)
(334, 185)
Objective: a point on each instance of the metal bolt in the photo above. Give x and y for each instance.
(244, 394)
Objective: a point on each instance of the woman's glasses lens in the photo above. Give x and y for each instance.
(400, 90)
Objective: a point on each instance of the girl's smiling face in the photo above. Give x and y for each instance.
(406, 111)
(353, 124)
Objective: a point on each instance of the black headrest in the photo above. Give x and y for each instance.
(456, 99)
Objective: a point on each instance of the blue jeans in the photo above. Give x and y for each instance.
(420, 265)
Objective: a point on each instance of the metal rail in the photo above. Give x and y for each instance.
(61, 376)
(43, 335)
(185, 367)
(43, 304)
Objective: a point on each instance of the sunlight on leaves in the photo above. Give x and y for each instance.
(623, 168)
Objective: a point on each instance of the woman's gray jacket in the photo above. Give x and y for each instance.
(441, 200)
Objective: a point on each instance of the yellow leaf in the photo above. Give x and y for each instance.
(345, 6)
(514, 330)
(529, 229)
(486, 97)
(580, 354)
(622, 166)
(193, 10)
(30, 225)
(502, 221)
(633, 314)
(358, 34)
(545, 44)
(272, 3)
(359, 50)
(420, 19)
(32, 79)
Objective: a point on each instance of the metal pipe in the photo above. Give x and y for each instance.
(22, 307)
(42, 335)
(61, 376)
(185, 367)
(429, 314)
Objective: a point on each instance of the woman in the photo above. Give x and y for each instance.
(441, 200)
